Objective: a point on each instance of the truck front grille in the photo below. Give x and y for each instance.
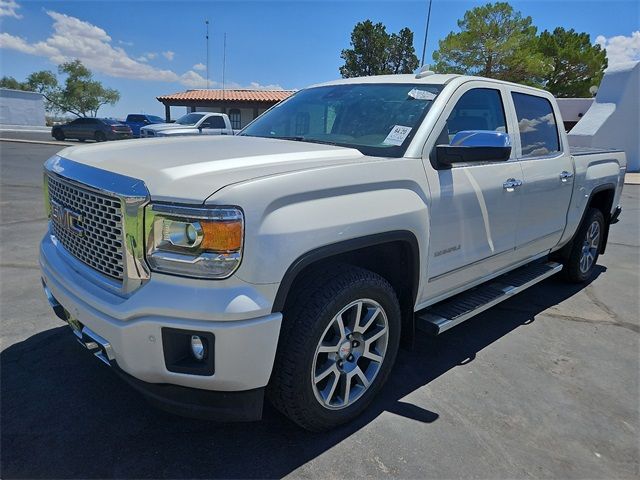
(88, 225)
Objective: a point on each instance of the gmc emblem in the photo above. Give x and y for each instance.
(67, 219)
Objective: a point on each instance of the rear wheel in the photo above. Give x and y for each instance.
(338, 344)
(585, 249)
(58, 135)
(100, 137)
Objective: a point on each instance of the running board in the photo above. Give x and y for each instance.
(452, 311)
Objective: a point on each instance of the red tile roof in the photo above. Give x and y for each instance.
(228, 95)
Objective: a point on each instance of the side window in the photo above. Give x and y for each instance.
(213, 122)
(234, 117)
(537, 125)
(477, 109)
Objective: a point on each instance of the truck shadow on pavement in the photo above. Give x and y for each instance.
(66, 415)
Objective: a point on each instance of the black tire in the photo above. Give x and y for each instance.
(318, 299)
(574, 264)
(100, 137)
(58, 135)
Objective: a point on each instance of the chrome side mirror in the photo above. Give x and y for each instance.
(475, 146)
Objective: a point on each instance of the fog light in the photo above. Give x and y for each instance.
(197, 347)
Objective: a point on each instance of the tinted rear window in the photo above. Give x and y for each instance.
(537, 125)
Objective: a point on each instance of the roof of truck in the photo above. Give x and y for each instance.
(427, 78)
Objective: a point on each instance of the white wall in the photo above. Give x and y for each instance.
(613, 121)
(21, 108)
(573, 109)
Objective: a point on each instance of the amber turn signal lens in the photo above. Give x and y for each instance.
(221, 236)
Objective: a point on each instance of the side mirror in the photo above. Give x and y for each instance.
(475, 146)
(200, 128)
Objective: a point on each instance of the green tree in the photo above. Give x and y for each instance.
(375, 52)
(574, 64)
(496, 42)
(80, 94)
(12, 83)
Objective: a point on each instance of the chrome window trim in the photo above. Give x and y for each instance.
(133, 195)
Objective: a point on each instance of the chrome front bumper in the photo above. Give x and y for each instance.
(236, 313)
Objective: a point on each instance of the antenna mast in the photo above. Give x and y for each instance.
(426, 33)
(207, 40)
(224, 60)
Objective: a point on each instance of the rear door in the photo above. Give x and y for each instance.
(473, 215)
(548, 173)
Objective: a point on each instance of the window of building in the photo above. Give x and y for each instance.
(537, 125)
(235, 118)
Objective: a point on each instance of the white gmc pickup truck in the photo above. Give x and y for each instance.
(202, 123)
(292, 259)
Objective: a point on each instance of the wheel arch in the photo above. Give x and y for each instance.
(372, 253)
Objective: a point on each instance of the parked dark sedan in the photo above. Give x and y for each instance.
(98, 129)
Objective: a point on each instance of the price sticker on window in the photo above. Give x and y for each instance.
(421, 94)
(397, 135)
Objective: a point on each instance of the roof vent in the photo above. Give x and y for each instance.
(424, 72)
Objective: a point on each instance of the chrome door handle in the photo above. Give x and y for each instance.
(511, 184)
(564, 175)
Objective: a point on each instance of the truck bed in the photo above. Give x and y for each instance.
(577, 151)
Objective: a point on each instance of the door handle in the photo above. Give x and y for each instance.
(511, 184)
(564, 176)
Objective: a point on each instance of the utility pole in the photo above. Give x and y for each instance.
(207, 40)
(426, 33)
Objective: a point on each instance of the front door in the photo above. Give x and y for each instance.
(473, 210)
(547, 170)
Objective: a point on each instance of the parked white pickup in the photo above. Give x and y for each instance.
(191, 124)
(293, 257)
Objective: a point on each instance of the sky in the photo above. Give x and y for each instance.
(149, 48)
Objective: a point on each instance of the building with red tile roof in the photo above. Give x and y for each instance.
(242, 106)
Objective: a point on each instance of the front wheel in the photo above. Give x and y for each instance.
(339, 341)
(100, 137)
(585, 249)
(58, 135)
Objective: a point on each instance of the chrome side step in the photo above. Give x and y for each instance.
(453, 311)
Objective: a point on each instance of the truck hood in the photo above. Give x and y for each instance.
(190, 169)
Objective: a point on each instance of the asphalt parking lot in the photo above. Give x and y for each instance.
(544, 385)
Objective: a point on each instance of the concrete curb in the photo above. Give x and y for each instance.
(41, 142)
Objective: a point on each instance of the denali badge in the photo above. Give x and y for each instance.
(67, 219)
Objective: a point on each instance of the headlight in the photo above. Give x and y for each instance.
(194, 242)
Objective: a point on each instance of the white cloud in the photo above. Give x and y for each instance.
(128, 44)
(9, 8)
(621, 49)
(194, 80)
(73, 38)
(201, 67)
(258, 86)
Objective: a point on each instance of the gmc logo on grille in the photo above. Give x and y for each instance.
(67, 219)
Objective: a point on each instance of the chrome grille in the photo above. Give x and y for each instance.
(98, 240)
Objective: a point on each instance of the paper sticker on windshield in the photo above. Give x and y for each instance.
(397, 135)
(421, 94)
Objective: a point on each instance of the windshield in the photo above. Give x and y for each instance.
(190, 118)
(110, 121)
(377, 119)
(153, 118)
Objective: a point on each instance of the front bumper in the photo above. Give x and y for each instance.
(236, 314)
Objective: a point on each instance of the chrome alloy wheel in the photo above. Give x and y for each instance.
(350, 354)
(590, 247)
